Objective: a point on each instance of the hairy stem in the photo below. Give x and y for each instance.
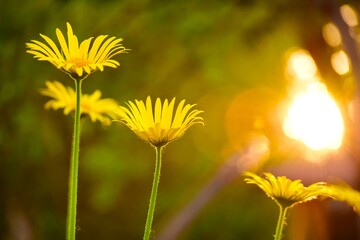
(154, 189)
(280, 223)
(74, 164)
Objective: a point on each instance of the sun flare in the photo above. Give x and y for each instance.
(315, 119)
(301, 65)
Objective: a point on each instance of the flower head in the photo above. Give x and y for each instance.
(77, 60)
(346, 194)
(162, 125)
(284, 191)
(102, 110)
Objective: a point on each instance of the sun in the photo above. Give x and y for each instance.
(315, 119)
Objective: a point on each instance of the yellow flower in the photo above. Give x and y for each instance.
(77, 61)
(162, 125)
(346, 194)
(285, 192)
(102, 110)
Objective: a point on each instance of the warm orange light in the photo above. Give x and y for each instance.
(340, 62)
(349, 15)
(315, 119)
(331, 35)
(301, 65)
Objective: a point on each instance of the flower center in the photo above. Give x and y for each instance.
(79, 62)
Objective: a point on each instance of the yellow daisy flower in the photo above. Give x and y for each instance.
(77, 61)
(162, 125)
(346, 194)
(102, 110)
(287, 193)
(284, 191)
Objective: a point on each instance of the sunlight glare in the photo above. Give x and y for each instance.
(340, 62)
(349, 15)
(301, 65)
(315, 119)
(331, 35)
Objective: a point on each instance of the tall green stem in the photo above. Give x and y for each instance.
(74, 164)
(154, 189)
(281, 222)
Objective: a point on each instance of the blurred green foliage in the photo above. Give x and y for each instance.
(207, 52)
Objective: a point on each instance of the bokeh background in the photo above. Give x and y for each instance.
(229, 57)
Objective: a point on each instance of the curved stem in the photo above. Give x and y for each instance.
(154, 189)
(74, 164)
(280, 223)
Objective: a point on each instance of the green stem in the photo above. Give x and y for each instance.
(281, 222)
(154, 189)
(74, 164)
